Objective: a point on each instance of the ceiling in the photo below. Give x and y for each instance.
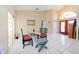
(33, 7)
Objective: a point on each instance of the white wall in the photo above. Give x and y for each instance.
(78, 28)
(23, 16)
(4, 28)
(21, 21)
(55, 24)
(77, 33)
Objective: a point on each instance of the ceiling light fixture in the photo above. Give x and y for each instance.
(37, 8)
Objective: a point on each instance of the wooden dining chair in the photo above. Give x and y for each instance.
(26, 38)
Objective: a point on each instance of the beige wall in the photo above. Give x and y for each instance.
(3, 28)
(21, 21)
(49, 18)
(23, 16)
(73, 8)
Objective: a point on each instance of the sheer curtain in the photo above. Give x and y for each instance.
(10, 28)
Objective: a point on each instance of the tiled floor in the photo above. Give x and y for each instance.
(57, 44)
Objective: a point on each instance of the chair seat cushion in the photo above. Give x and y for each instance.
(27, 37)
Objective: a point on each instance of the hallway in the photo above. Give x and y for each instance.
(57, 44)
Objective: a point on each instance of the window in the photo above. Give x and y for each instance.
(10, 28)
(71, 22)
(62, 26)
(69, 14)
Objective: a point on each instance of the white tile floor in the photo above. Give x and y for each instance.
(57, 44)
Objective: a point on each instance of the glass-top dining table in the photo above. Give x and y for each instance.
(39, 42)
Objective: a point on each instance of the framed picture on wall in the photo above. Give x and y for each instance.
(31, 22)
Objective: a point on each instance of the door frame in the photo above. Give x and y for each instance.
(66, 27)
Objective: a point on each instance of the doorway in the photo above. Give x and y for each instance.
(63, 27)
(67, 24)
(68, 27)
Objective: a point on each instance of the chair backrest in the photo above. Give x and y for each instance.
(43, 30)
(22, 33)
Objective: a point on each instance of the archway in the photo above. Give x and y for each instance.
(68, 15)
(68, 24)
